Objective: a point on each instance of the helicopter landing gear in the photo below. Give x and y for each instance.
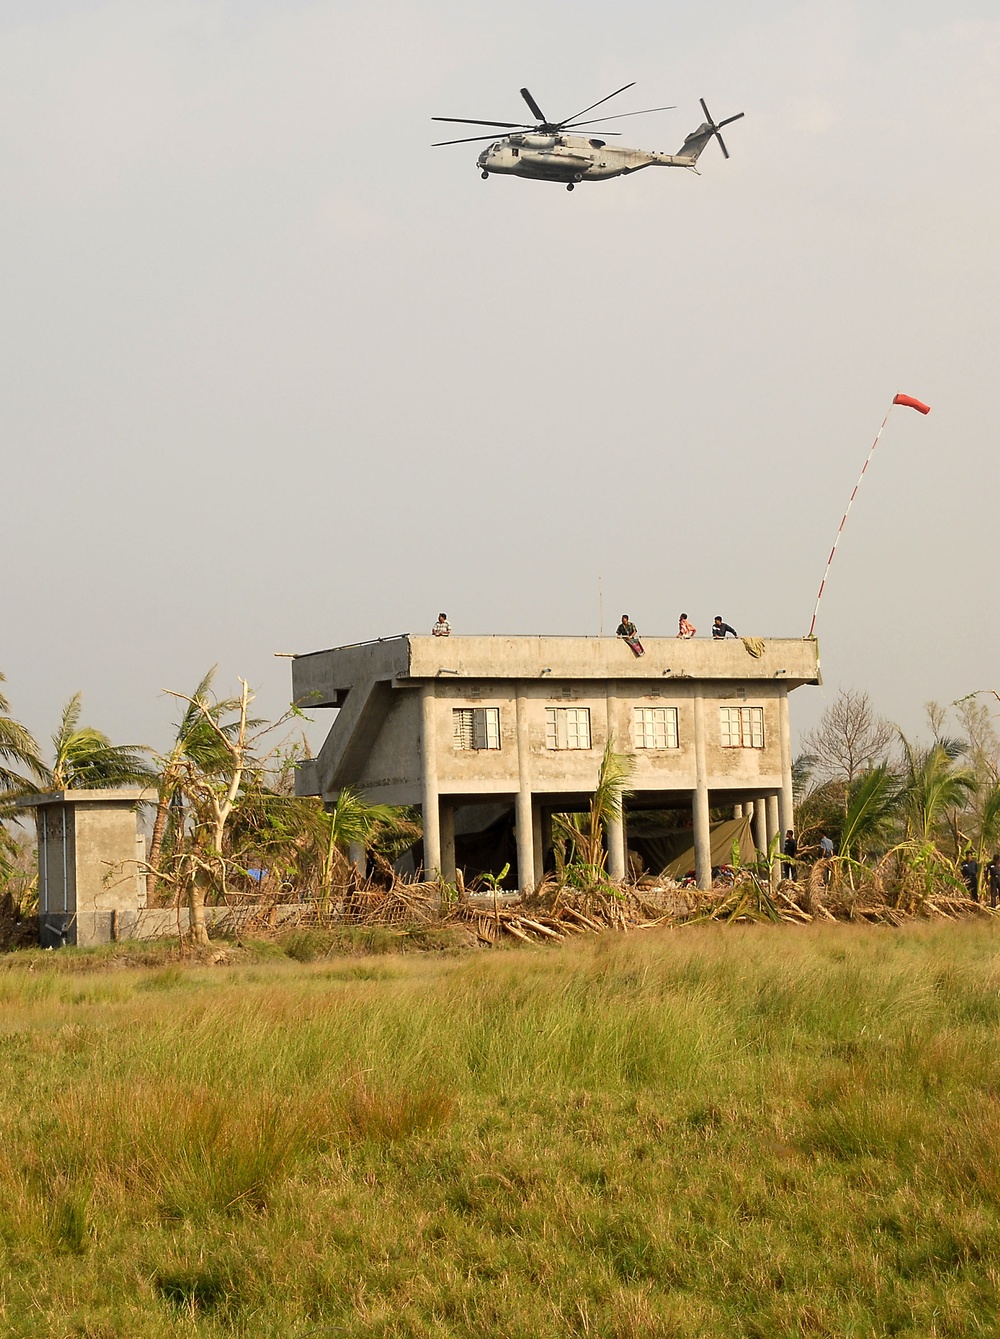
(486, 176)
(569, 185)
(578, 176)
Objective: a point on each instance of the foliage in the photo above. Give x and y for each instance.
(85, 759)
(850, 738)
(21, 766)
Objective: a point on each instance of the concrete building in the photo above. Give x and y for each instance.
(90, 855)
(447, 723)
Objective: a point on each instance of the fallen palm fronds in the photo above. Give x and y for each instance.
(558, 911)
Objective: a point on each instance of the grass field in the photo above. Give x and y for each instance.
(688, 1133)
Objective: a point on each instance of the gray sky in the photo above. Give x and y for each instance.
(278, 375)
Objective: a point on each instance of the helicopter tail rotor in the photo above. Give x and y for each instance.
(716, 127)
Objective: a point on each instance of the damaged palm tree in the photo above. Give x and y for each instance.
(582, 835)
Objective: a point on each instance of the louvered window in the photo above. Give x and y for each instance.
(476, 727)
(742, 727)
(655, 727)
(567, 727)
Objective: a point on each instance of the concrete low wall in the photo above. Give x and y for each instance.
(107, 927)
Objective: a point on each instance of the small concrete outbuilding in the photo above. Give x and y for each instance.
(450, 723)
(90, 853)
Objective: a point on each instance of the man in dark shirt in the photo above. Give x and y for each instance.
(629, 634)
(969, 869)
(720, 629)
(993, 878)
(790, 850)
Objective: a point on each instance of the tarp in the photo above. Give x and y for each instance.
(722, 836)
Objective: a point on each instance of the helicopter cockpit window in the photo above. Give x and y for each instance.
(514, 150)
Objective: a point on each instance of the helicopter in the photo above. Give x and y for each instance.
(544, 152)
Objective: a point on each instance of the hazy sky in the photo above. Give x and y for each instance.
(278, 375)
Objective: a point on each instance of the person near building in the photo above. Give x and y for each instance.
(629, 634)
(969, 869)
(684, 628)
(442, 628)
(720, 630)
(789, 850)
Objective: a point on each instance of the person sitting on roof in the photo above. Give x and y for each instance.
(684, 628)
(629, 634)
(442, 628)
(720, 630)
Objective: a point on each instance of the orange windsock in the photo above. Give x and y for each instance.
(918, 405)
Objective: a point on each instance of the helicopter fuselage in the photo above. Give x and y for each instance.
(568, 158)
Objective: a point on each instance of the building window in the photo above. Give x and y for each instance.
(567, 727)
(742, 727)
(655, 727)
(476, 727)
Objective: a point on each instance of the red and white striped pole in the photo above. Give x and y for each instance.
(899, 399)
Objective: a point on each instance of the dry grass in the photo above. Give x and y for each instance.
(708, 1131)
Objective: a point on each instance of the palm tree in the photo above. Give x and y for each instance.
(86, 759)
(198, 744)
(872, 806)
(17, 747)
(934, 786)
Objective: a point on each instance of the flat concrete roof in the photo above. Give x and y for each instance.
(110, 796)
(420, 657)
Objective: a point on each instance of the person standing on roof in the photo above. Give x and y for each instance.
(721, 630)
(442, 628)
(684, 628)
(629, 634)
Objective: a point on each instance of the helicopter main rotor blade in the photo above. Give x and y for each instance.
(597, 103)
(472, 139)
(465, 121)
(619, 116)
(533, 106)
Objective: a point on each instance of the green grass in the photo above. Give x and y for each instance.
(689, 1133)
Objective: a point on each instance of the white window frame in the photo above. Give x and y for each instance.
(742, 727)
(476, 728)
(655, 727)
(567, 728)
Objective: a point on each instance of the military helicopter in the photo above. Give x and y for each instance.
(544, 152)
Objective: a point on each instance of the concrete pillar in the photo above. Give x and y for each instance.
(737, 811)
(429, 806)
(447, 820)
(538, 840)
(702, 837)
(760, 826)
(615, 836)
(524, 817)
(358, 857)
(772, 818)
(786, 800)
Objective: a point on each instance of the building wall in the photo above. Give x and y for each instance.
(488, 771)
(392, 770)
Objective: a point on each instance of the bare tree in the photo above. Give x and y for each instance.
(850, 738)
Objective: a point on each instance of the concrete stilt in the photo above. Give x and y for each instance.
(616, 848)
(538, 840)
(447, 820)
(702, 836)
(430, 813)
(524, 817)
(358, 857)
(760, 826)
(786, 800)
